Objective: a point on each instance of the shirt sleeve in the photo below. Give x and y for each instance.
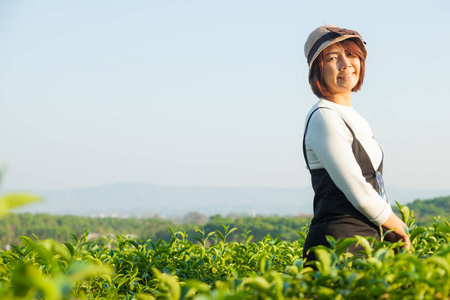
(331, 141)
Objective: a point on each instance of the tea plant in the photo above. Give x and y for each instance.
(214, 268)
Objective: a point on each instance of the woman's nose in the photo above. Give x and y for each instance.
(345, 62)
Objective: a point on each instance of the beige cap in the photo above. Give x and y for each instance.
(327, 35)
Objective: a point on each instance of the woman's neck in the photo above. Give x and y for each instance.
(342, 99)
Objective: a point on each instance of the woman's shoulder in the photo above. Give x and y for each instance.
(322, 112)
(328, 117)
(328, 109)
(324, 120)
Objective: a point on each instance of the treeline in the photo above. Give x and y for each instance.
(425, 210)
(62, 228)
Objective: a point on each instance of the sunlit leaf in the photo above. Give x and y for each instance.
(11, 201)
(324, 259)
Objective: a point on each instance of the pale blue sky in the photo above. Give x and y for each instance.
(209, 93)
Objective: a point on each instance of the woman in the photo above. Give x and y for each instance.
(344, 160)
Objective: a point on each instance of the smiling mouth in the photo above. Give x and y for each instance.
(346, 76)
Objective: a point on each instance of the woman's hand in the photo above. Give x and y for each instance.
(399, 230)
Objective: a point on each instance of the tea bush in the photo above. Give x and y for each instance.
(214, 268)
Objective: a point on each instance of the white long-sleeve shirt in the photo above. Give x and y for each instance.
(328, 145)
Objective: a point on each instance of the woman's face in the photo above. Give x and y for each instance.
(340, 70)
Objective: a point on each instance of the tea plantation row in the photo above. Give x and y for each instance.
(214, 268)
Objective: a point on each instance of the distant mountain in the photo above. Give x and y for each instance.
(138, 199)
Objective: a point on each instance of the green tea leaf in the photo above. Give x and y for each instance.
(257, 283)
(416, 232)
(324, 259)
(8, 202)
(343, 245)
(71, 248)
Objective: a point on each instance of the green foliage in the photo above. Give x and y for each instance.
(10, 201)
(270, 268)
(425, 210)
(211, 265)
(61, 228)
